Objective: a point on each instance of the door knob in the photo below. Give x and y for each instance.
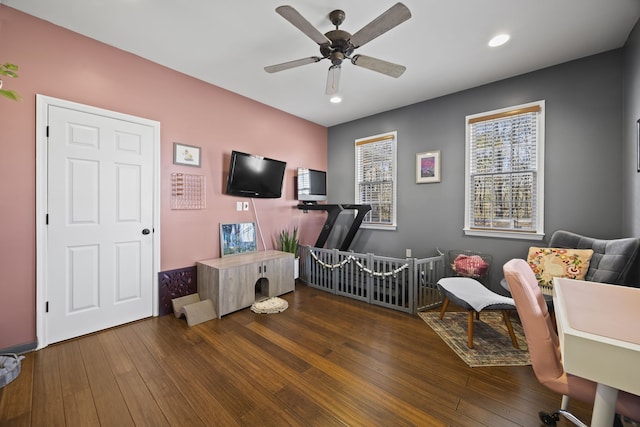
(146, 231)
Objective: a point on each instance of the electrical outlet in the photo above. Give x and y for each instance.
(245, 206)
(408, 253)
(238, 206)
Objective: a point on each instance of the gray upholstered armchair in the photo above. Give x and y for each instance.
(611, 259)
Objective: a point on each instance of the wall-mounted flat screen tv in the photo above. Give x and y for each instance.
(312, 185)
(255, 176)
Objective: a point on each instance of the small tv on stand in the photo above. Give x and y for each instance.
(311, 185)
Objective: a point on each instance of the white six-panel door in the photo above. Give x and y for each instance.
(100, 222)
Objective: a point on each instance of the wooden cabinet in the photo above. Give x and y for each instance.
(234, 282)
(279, 272)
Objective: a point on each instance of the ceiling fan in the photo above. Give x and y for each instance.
(338, 45)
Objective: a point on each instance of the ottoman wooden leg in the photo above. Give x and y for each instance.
(507, 321)
(470, 329)
(445, 304)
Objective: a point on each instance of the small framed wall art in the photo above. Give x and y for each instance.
(186, 155)
(428, 167)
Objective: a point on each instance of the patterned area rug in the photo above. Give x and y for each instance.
(491, 343)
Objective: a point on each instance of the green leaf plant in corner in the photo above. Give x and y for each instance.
(289, 241)
(8, 70)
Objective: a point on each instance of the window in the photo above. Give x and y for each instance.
(504, 183)
(376, 179)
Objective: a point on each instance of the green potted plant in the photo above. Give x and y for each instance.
(289, 243)
(8, 70)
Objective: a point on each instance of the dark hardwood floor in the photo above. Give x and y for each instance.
(325, 361)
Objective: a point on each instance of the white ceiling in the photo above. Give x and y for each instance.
(443, 45)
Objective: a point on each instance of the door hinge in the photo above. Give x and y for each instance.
(46, 307)
(46, 219)
(47, 131)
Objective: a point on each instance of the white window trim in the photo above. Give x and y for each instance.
(378, 226)
(508, 234)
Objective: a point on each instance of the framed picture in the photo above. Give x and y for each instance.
(238, 238)
(186, 155)
(428, 167)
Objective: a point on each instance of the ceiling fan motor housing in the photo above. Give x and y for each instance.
(340, 47)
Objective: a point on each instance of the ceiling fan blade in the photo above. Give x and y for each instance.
(333, 80)
(375, 64)
(298, 21)
(394, 16)
(291, 64)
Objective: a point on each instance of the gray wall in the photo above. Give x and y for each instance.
(631, 113)
(583, 158)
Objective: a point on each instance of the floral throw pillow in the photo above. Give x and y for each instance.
(548, 263)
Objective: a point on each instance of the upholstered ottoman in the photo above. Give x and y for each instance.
(474, 297)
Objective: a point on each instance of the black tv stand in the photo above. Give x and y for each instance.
(332, 215)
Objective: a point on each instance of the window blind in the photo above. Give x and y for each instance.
(504, 170)
(375, 178)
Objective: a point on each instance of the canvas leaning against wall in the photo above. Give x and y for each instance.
(238, 238)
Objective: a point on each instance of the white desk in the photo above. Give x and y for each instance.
(599, 329)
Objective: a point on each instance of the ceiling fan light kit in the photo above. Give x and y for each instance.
(338, 45)
(333, 84)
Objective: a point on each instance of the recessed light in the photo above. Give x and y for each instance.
(499, 40)
(335, 99)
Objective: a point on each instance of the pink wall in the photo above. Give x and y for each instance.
(62, 64)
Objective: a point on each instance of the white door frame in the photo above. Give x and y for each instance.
(42, 105)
